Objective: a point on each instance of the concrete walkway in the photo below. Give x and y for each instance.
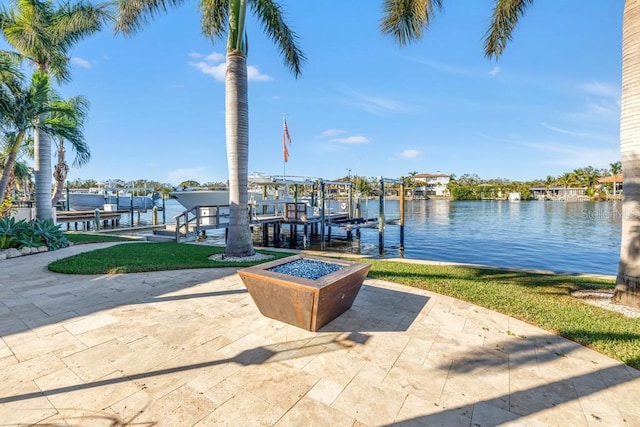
(185, 348)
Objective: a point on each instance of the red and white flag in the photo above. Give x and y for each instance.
(285, 138)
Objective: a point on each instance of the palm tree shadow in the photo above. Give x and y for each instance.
(525, 354)
(377, 309)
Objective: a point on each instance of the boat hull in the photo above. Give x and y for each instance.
(86, 201)
(191, 199)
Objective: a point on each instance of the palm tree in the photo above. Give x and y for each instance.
(22, 108)
(78, 106)
(548, 182)
(616, 168)
(220, 17)
(44, 34)
(405, 21)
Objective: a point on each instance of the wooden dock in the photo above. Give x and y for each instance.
(86, 220)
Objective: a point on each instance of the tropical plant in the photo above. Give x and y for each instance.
(23, 109)
(616, 168)
(220, 17)
(11, 232)
(33, 234)
(48, 233)
(72, 119)
(405, 20)
(43, 34)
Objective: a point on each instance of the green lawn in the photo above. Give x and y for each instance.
(540, 299)
(139, 257)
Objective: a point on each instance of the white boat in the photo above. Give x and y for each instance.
(124, 201)
(192, 198)
(86, 201)
(514, 197)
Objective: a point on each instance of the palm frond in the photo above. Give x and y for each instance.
(215, 18)
(405, 20)
(271, 16)
(75, 22)
(506, 15)
(134, 14)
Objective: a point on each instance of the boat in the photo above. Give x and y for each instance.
(85, 201)
(125, 201)
(514, 197)
(192, 198)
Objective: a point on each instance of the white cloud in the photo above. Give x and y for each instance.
(356, 139)
(332, 132)
(215, 57)
(80, 62)
(253, 74)
(409, 154)
(600, 89)
(494, 71)
(214, 65)
(374, 104)
(568, 132)
(216, 71)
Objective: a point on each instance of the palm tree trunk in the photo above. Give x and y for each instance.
(6, 174)
(59, 174)
(239, 242)
(9, 162)
(628, 281)
(42, 173)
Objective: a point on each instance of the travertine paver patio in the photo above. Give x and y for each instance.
(182, 348)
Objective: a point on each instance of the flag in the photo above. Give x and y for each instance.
(285, 138)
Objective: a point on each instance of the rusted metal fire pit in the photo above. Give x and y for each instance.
(305, 302)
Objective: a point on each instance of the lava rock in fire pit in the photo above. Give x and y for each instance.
(307, 269)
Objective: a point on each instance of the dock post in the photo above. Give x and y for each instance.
(401, 217)
(97, 219)
(381, 219)
(164, 210)
(154, 216)
(322, 215)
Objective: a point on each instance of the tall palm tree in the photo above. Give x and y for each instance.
(22, 108)
(548, 182)
(220, 17)
(405, 21)
(616, 168)
(80, 107)
(43, 34)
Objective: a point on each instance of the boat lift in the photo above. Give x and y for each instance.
(356, 222)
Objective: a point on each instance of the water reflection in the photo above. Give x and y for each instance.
(578, 237)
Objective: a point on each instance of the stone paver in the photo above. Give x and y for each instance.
(189, 348)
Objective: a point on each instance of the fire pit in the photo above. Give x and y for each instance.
(304, 291)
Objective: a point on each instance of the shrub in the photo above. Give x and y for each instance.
(20, 234)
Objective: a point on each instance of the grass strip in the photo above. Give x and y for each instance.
(143, 256)
(543, 300)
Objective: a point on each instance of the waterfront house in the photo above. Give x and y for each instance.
(614, 180)
(431, 184)
(559, 193)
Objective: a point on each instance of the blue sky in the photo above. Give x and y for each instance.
(363, 104)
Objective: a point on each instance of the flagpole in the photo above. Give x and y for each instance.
(284, 157)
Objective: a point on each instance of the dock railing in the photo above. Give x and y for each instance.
(194, 221)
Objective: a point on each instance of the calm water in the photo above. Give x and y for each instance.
(576, 237)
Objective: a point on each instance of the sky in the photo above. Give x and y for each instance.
(363, 105)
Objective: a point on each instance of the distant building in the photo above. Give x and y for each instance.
(431, 184)
(559, 193)
(617, 179)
